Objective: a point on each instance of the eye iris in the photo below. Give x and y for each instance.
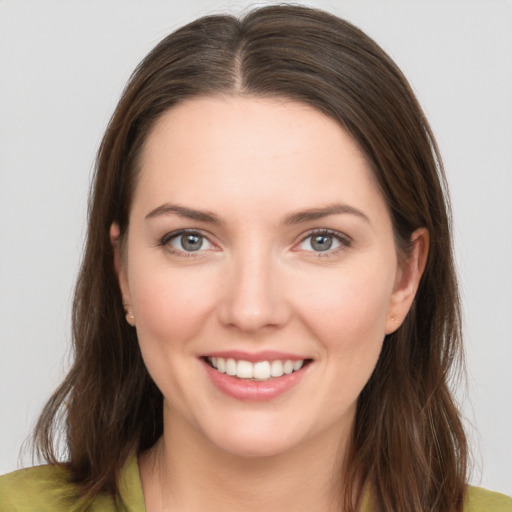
(321, 242)
(191, 242)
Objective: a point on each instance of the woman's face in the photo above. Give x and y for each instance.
(259, 244)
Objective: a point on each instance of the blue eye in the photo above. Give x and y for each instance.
(323, 241)
(184, 241)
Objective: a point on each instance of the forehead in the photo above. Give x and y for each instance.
(252, 150)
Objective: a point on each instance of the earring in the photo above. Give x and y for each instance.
(130, 318)
(394, 319)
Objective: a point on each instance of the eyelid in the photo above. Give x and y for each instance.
(344, 240)
(168, 237)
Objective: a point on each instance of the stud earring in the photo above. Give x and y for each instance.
(130, 318)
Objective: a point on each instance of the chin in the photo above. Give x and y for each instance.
(253, 439)
(251, 449)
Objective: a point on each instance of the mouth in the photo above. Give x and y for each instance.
(257, 371)
(255, 377)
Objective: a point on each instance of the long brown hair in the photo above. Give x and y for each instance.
(407, 443)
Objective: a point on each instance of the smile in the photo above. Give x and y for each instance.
(255, 376)
(259, 370)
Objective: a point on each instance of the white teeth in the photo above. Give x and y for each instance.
(231, 367)
(244, 370)
(297, 365)
(288, 367)
(276, 369)
(261, 370)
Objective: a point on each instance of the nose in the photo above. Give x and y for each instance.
(254, 297)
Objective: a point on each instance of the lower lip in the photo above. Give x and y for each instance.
(251, 390)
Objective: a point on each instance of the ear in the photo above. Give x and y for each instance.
(120, 269)
(407, 280)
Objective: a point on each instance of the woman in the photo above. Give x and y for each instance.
(267, 311)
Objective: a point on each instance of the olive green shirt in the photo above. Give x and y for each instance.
(47, 489)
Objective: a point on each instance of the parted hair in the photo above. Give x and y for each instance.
(407, 442)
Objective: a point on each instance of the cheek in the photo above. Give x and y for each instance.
(171, 309)
(347, 310)
(170, 306)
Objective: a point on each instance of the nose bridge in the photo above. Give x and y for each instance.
(252, 297)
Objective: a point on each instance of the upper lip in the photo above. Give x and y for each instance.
(254, 357)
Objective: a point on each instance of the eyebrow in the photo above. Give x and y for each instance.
(182, 211)
(294, 218)
(320, 213)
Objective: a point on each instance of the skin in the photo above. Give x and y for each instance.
(257, 283)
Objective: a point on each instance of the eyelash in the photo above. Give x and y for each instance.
(343, 240)
(169, 237)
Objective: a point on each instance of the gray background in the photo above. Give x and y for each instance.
(62, 68)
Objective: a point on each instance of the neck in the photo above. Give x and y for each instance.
(185, 472)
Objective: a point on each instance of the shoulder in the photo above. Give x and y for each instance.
(481, 500)
(40, 488)
(49, 489)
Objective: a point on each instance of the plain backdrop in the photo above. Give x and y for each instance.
(63, 65)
